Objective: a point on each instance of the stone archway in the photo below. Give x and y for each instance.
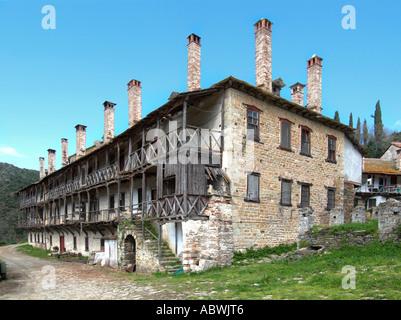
(129, 253)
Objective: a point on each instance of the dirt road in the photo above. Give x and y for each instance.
(30, 278)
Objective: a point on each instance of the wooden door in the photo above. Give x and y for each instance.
(62, 245)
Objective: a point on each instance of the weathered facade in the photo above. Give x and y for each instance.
(210, 172)
(381, 177)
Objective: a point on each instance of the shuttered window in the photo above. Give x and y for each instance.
(305, 141)
(286, 192)
(331, 199)
(252, 188)
(285, 142)
(253, 123)
(331, 149)
(305, 195)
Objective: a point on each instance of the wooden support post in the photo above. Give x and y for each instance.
(184, 178)
(159, 241)
(143, 205)
(108, 202)
(88, 206)
(118, 196)
(131, 196)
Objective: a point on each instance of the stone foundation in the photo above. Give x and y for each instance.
(209, 244)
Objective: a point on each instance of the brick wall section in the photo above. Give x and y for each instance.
(263, 54)
(267, 222)
(348, 201)
(209, 243)
(194, 63)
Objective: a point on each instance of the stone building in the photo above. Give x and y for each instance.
(210, 172)
(381, 177)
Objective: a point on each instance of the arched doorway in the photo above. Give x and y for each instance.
(129, 253)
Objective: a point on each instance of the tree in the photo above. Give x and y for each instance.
(351, 121)
(337, 116)
(365, 133)
(379, 132)
(358, 130)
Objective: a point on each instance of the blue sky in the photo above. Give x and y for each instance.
(52, 80)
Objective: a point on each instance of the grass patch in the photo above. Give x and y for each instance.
(34, 252)
(252, 253)
(377, 265)
(371, 227)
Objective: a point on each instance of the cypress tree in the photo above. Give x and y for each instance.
(379, 133)
(351, 121)
(337, 116)
(358, 131)
(365, 134)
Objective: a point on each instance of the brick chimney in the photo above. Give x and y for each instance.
(81, 140)
(108, 132)
(64, 152)
(134, 102)
(297, 93)
(194, 63)
(51, 158)
(263, 54)
(42, 172)
(314, 84)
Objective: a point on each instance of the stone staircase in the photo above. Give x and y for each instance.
(168, 260)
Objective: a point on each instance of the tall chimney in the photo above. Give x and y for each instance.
(64, 152)
(51, 158)
(314, 84)
(263, 54)
(42, 172)
(297, 93)
(134, 102)
(108, 132)
(81, 140)
(194, 63)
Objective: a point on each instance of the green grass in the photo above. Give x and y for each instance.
(377, 265)
(34, 252)
(371, 227)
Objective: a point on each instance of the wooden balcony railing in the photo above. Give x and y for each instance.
(172, 208)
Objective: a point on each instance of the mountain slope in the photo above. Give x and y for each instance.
(11, 180)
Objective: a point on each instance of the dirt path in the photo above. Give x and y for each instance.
(30, 278)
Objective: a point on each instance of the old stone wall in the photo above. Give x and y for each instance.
(389, 219)
(329, 239)
(348, 206)
(267, 222)
(209, 243)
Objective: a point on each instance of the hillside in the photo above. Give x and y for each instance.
(12, 179)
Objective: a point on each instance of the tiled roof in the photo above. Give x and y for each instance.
(380, 166)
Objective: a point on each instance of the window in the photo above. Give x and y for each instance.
(285, 142)
(331, 149)
(331, 198)
(252, 187)
(101, 244)
(305, 195)
(86, 244)
(111, 205)
(286, 192)
(75, 242)
(122, 201)
(253, 123)
(305, 141)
